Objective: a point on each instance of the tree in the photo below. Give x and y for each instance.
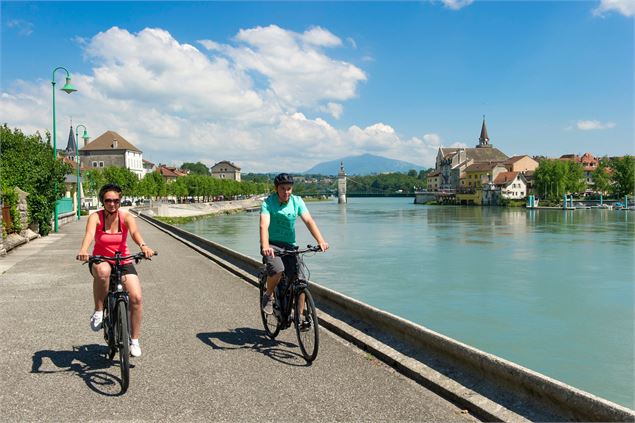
(123, 177)
(93, 180)
(27, 162)
(601, 179)
(412, 173)
(152, 185)
(623, 176)
(555, 178)
(197, 168)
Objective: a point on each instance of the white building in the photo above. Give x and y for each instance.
(111, 149)
(226, 170)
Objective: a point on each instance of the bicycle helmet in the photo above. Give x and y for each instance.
(283, 178)
(107, 188)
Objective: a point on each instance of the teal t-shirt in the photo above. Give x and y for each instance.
(283, 217)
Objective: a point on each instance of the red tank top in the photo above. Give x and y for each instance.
(106, 244)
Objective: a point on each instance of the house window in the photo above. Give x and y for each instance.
(94, 164)
(101, 164)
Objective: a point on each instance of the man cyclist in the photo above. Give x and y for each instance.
(109, 228)
(278, 214)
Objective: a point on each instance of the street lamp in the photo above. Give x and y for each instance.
(67, 88)
(79, 186)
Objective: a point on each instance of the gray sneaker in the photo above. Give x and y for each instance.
(267, 303)
(96, 320)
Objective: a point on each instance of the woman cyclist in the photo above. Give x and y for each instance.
(109, 228)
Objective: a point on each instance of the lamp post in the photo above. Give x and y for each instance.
(67, 88)
(79, 186)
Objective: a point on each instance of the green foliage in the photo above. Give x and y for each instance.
(385, 184)
(93, 180)
(555, 178)
(623, 176)
(258, 177)
(601, 178)
(199, 187)
(39, 212)
(10, 199)
(27, 162)
(152, 185)
(197, 168)
(123, 177)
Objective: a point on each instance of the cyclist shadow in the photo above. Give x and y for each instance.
(255, 339)
(89, 362)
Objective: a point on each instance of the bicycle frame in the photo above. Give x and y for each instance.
(285, 300)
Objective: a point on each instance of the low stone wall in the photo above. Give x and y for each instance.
(15, 240)
(527, 395)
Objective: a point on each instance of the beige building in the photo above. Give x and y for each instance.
(521, 164)
(226, 170)
(111, 149)
(434, 180)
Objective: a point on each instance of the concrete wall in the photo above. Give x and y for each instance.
(491, 387)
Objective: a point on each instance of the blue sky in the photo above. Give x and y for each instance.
(285, 85)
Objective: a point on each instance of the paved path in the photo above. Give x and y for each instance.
(205, 356)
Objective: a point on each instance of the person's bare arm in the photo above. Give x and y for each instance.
(89, 235)
(265, 220)
(313, 228)
(131, 224)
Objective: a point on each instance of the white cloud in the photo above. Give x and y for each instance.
(246, 101)
(23, 27)
(623, 7)
(456, 4)
(333, 109)
(299, 73)
(588, 125)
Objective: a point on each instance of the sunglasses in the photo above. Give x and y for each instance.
(112, 200)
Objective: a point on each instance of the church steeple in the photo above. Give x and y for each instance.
(483, 140)
(71, 147)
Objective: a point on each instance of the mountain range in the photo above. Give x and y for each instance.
(365, 164)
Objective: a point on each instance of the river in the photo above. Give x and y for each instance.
(551, 290)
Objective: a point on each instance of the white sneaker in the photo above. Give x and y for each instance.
(96, 320)
(135, 350)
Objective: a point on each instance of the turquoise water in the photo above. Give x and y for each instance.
(551, 290)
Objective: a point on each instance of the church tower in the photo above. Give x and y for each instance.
(483, 140)
(71, 147)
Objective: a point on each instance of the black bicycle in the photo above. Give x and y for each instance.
(293, 305)
(116, 322)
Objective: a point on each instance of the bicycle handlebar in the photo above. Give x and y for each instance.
(136, 257)
(308, 249)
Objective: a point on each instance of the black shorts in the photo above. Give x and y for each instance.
(126, 269)
(286, 264)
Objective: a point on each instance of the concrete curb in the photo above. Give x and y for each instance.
(364, 326)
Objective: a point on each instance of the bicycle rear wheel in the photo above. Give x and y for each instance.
(123, 342)
(269, 321)
(307, 329)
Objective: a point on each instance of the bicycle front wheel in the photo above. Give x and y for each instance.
(269, 321)
(306, 324)
(109, 337)
(123, 342)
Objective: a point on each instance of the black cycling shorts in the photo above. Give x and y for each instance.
(126, 269)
